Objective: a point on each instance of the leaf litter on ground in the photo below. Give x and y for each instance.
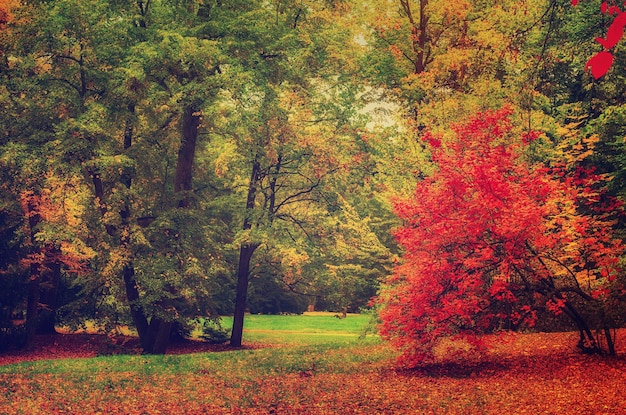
(539, 373)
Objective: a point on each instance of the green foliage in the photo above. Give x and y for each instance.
(13, 276)
(213, 332)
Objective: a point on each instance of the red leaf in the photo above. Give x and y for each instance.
(574, 3)
(600, 64)
(615, 31)
(604, 8)
(603, 42)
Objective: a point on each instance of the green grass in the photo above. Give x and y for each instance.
(313, 337)
(288, 350)
(309, 328)
(252, 362)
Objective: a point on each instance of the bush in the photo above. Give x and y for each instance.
(214, 333)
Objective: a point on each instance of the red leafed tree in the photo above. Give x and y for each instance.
(490, 238)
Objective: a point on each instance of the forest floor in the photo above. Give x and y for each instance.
(85, 345)
(540, 373)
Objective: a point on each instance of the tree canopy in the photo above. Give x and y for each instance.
(163, 162)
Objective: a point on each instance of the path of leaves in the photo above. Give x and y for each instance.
(531, 374)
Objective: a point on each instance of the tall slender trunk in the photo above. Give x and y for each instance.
(49, 288)
(245, 255)
(32, 306)
(32, 303)
(136, 311)
(610, 341)
(243, 278)
(140, 320)
(419, 34)
(130, 283)
(421, 56)
(154, 333)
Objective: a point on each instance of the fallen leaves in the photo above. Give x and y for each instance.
(529, 374)
(83, 345)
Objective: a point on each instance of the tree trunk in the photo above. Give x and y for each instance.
(32, 302)
(587, 342)
(419, 34)
(243, 278)
(49, 288)
(136, 312)
(161, 336)
(186, 153)
(145, 329)
(155, 336)
(32, 306)
(610, 341)
(245, 255)
(140, 320)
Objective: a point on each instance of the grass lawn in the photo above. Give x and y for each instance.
(318, 364)
(316, 327)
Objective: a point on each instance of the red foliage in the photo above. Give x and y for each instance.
(484, 225)
(601, 62)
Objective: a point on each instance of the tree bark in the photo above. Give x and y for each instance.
(32, 302)
(49, 288)
(146, 333)
(161, 335)
(156, 334)
(139, 318)
(419, 34)
(587, 342)
(243, 278)
(610, 341)
(153, 333)
(186, 154)
(245, 255)
(32, 306)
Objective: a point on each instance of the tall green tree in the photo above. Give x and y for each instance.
(125, 86)
(290, 125)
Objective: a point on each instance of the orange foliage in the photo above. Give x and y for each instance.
(53, 247)
(6, 15)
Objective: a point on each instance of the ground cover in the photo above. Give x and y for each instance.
(295, 372)
(310, 327)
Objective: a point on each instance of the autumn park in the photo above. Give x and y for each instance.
(312, 207)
